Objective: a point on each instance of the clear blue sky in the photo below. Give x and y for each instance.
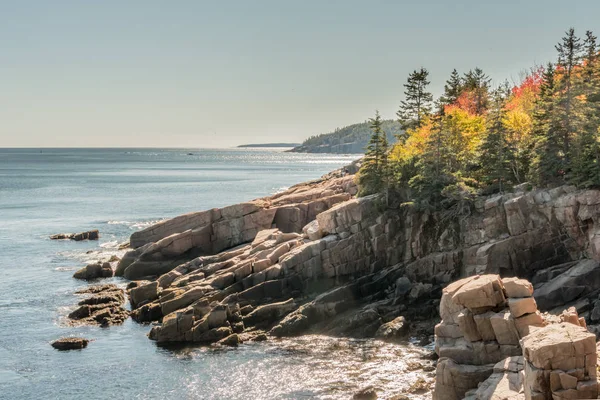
(220, 73)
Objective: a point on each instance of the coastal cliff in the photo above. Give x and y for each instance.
(315, 259)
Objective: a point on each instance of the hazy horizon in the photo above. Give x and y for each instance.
(207, 75)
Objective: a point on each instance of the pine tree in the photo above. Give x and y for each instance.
(373, 175)
(495, 154)
(548, 163)
(478, 83)
(568, 110)
(586, 152)
(432, 167)
(590, 45)
(453, 88)
(417, 103)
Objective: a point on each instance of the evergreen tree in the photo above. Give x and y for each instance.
(548, 162)
(586, 152)
(478, 83)
(453, 88)
(590, 45)
(417, 103)
(373, 175)
(495, 154)
(433, 173)
(568, 110)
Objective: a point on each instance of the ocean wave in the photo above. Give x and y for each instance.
(280, 190)
(110, 245)
(61, 269)
(135, 224)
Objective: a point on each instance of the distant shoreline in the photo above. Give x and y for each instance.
(269, 145)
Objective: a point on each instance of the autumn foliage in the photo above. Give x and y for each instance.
(543, 130)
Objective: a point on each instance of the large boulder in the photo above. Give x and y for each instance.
(580, 279)
(94, 271)
(560, 363)
(144, 294)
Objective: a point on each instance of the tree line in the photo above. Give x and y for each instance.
(478, 139)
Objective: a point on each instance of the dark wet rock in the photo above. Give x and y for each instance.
(109, 287)
(70, 343)
(89, 235)
(270, 312)
(403, 287)
(595, 313)
(103, 307)
(367, 393)
(393, 331)
(94, 271)
(147, 313)
(261, 337)
(577, 281)
(231, 340)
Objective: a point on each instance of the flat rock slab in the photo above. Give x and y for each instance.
(481, 291)
(89, 235)
(70, 343)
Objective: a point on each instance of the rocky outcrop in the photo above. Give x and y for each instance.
(94, 271)
(70, 343)
(493, 343)
(89, 235)
(315, 259)
(560, 363)
(102, 306)
(578, 280)
(170, 243)
(481, 326)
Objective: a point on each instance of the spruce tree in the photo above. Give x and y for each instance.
(453, 88)
(433, 173)
(495, 154)
(568, 110)
(373, 174)
(417, 103)
(586, 152)
(478, 83)
(590, 69)
(548, 162)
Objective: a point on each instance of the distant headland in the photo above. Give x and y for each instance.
(269, 145)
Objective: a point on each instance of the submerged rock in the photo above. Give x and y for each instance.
(70, 343)
(89, 235)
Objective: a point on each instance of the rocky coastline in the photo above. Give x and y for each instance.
(315, 259)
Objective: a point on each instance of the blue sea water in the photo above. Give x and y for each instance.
(119, 191)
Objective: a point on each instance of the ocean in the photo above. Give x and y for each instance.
(47, 191)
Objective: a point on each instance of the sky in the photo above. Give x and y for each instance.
(221, 73)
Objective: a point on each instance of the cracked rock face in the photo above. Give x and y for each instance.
(487, 320)
(167, 244)
(315, 260)
(103, 306)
